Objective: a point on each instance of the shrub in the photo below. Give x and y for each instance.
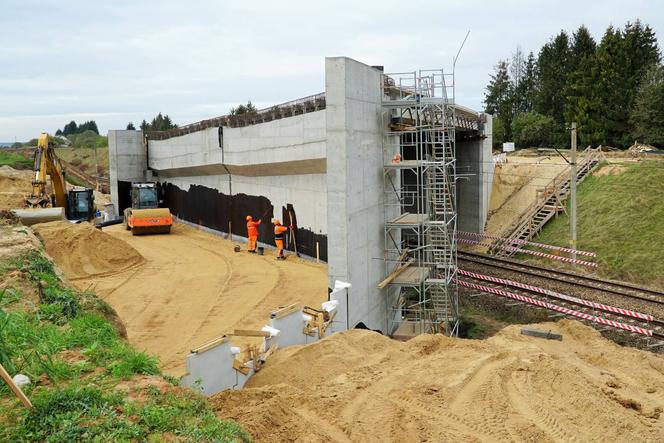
(532, 129)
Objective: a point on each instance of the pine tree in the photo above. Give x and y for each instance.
(647, 116)
(553, 66)
(528, 86)
(145, 126)
(610, 90)
(498, 98)
(70, 128)
(131, 127)
(579, 90)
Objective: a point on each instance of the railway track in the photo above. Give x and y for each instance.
(635, 292)
(628, 290)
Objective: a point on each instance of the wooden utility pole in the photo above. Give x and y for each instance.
(572, 212)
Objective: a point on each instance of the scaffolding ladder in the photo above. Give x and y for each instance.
(420, 202)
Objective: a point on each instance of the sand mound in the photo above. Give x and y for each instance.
(82, 251)
(360, 386)
(14, 185)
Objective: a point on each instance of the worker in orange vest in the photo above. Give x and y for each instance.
(252, 233)
(279, 231)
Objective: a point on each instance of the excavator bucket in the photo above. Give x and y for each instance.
(150, 221)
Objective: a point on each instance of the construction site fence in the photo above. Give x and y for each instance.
(556, 308)
(530, 243)
(558, 295)
(529, 252)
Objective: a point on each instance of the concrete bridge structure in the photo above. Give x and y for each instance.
(319, 158)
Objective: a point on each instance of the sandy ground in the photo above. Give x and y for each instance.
(190, 286)
(14, 185)
(361, 386)
(515, 186)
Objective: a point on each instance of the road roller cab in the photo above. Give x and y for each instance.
(145, 216)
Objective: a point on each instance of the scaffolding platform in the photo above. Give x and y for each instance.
(405, 164)
(408, 220)
(419, 188)
(412, 276)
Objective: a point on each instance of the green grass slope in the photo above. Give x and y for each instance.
(14, 160)
(621, 217)
(88, 384)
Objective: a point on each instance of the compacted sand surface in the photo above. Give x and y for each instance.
(360, 386)
(176, 291)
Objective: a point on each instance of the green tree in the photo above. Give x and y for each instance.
(70, 128)
(609, 123)
(553, 66)
(498, 99)
(498, 132)
(527, 89)
(249, 108)
(131, 127)
(162, 122)
(647, 116)
(88, 126)
(582, 107)
(533, 129)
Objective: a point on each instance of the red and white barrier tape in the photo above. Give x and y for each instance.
(566, 297)
(552, 307)
(535, 253)
(531, 243)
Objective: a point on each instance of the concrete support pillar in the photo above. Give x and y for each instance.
(355, 211)
(475, 165)
(127, 159)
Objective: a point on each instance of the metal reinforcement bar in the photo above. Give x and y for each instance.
(562, 310)
(299, 106)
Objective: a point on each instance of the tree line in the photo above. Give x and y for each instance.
(613, 90)
(72, 128)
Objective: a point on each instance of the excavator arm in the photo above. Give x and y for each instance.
(47, 163)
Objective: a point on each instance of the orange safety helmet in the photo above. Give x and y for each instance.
(249, 218)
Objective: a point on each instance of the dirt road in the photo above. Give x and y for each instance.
(192, 287)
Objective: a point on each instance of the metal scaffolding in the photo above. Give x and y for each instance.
(420, 202)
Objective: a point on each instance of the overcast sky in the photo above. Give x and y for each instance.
(120, 61)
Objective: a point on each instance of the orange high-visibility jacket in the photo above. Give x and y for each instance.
(252, 228)
(279, 232)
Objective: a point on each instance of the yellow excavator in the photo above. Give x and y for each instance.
(76, 205)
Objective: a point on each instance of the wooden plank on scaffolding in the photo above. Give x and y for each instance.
(394, 274)
(250, 333)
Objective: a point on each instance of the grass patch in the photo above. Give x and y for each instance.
(14, 160)
(621, 217)
(75, 358)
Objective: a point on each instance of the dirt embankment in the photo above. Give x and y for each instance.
(82, 251)
(515, 187)
(14, 185)
(361, 386)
